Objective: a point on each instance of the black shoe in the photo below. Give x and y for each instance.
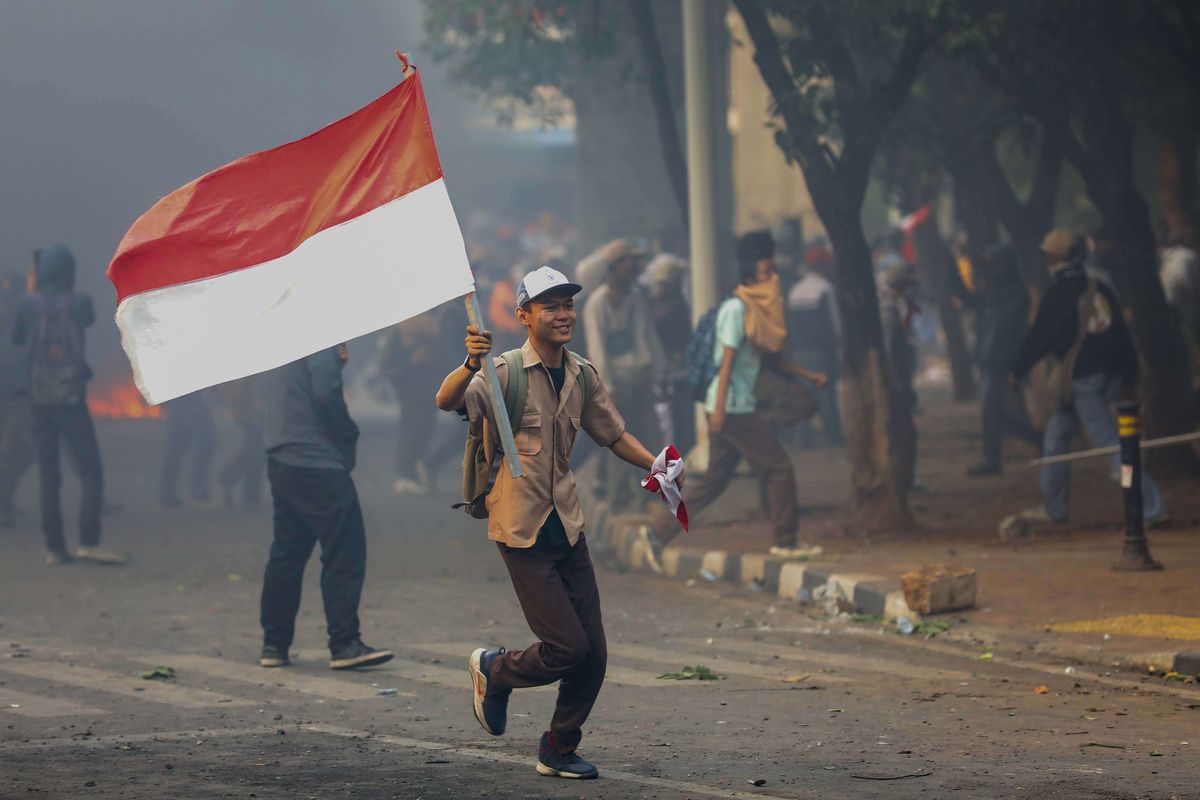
(983, 469)
(562, 765)
(273, 656)
(491, 708)
(356, 654)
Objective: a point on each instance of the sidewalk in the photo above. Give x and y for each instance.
(1027, 590)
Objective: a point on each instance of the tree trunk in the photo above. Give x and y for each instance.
(1178, 191)
(660, 96)
(933, 260)
(876, 444)
(1167, 392)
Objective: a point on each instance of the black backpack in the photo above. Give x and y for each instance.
(58, 372)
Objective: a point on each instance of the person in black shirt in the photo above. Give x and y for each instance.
(1105, 367)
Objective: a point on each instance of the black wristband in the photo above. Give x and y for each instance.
(467, 365)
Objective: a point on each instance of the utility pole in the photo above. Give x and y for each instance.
(702, 207)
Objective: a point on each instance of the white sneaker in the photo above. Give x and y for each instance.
(1038, 514)
(800, 552)
(98, 555)
(405, 486)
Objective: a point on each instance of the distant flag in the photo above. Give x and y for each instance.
(291, 250)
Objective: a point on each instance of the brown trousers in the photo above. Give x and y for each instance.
(752, 437)
(557, 590)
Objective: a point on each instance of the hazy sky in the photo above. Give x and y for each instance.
(106, 105)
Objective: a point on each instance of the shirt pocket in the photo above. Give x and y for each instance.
(529, 436)
(572, 431)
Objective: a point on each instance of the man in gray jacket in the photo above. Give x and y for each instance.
(311, 442)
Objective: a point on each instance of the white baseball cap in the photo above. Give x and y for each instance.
(542, 280)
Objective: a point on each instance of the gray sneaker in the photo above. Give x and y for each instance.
(98, 555)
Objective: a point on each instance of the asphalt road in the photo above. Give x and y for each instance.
(808, 707)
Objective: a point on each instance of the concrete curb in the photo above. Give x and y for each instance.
(873, 595)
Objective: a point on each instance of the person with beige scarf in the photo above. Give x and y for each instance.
(750, 330)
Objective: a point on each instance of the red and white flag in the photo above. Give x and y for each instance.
(664, 480)
(289, 251)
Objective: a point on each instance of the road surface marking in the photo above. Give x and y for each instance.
(128, 685)
(613, 673)
(892, 668)
(32, 705)
(526, 760)
(134, 738)
(494, 756)
(287, 678)
(716, 663)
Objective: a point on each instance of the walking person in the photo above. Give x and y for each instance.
(812, 324)
(536, 521)
(311, 447)
(623, 344)
(16, 424)
(1002, 303)
(898, 312)
(672, 316)
(52, 320)
(241, 476)
(1080, 328)
(190, 432)
(750, 331)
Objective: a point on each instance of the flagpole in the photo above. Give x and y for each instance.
(499, 409)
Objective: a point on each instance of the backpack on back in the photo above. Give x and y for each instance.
(479, 471)
(58, 373)
(701, 366)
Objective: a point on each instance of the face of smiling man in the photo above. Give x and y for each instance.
(550, 318)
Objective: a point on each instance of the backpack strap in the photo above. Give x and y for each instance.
(587, 377)
(516, 391)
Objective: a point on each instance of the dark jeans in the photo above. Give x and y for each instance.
(73, 425)
(314, 505)
(557, 590)
(418, 415)
(246, 465)
(189, 427)
(999, 420)
(17, 452)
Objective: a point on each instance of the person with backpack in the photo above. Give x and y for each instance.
(747, 336)
(550, 394)
(1090, 360)
(51, 319)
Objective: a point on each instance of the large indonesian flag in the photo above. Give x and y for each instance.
(289, 251)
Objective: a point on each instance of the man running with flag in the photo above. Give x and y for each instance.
(536, 521)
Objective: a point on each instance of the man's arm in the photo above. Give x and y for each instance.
(717, 421)
(630, 450)
(785, 364)
(1053, 318)
(84, 314)
(452, 394)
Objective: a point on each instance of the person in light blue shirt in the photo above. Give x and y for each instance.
(736, 429)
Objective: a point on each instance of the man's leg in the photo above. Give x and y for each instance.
(1091, 402)
(992, 417)
(577, 692)
(417, 416)
(204, 445)
(79, 435)
(758, 442)
(340, 529)
(178, 436)
(45, 433)
(723, 458)
(1056, 478)
(292, 545)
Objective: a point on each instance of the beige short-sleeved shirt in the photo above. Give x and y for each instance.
(518, 507)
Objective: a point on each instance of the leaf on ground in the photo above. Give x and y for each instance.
(796, 678)
(696, 673)
(159, 673)
(1041, 690)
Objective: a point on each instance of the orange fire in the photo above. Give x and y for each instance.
(121, 401)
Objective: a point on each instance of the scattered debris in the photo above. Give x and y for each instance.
(796, 678)
(757, 782)
(1101, 744)
(159, 673)
(988, 654)
(1041, 690)
(904, 626)
(708, 575)
(1015, 528)
(388, 692)
(696, 673)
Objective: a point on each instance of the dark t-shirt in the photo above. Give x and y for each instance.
(553, 534)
